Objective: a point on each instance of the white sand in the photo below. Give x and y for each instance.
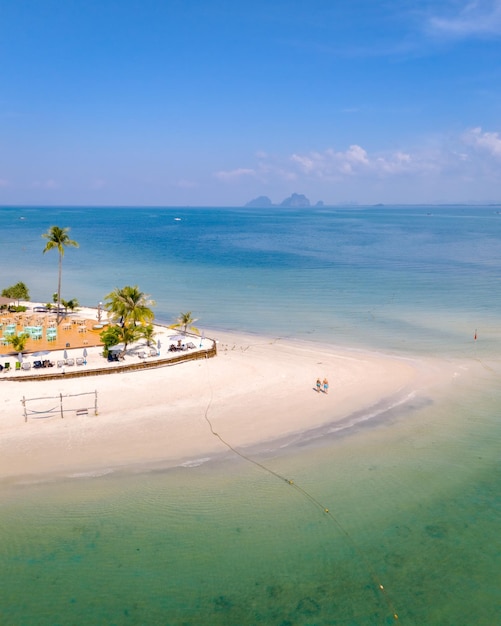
(256, 390)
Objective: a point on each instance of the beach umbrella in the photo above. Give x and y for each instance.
(20, 357)
(159, 345)
(65, 355)
(177, 338)
(85, 355)
(202, 337)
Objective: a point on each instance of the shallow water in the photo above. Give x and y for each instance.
(413, 494)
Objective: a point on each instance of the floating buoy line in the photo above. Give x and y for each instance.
(326, 511)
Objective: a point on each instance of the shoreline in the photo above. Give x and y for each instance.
(256, 391)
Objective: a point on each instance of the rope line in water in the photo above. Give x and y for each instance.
(308, 496)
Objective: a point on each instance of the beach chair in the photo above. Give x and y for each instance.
(153, 352)
(191, 345)
(61, 363)
(70, 362)
(37, 364)
(7, 367)
(80, 360)
(142, 354)
(18, 366)
(26, 366)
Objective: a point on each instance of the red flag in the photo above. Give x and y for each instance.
(475, 335)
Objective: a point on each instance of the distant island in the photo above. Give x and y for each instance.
(295, 201)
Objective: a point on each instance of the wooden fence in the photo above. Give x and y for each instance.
(120, 368)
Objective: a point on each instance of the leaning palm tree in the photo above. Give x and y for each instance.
(185, 321)
(58, 238)
(129, 306)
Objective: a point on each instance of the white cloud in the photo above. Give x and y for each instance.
(477, 18)
(335, 165)
(234, 174)
(443, 167)
(490, 142)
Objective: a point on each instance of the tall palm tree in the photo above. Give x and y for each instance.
(130, 306)
(58, 238)
(185, 321)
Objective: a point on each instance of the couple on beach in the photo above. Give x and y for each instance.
(323, 386)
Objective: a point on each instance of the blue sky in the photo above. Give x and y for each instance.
(215, 102)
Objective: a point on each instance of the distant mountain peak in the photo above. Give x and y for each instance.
(296, 201)
(261, 202)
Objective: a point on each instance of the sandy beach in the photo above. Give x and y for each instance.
(255, 391)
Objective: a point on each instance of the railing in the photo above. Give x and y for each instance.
(120, 368)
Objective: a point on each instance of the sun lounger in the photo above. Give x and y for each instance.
(80, 360)
(70, 362)
(7, 367)
(191, 345)
(18, 366)
(153, 352)
(142, 354)
(26, 366)
(61, 363)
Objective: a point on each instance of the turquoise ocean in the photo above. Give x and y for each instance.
(413, 493)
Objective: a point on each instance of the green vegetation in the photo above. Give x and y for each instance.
(185, 321)
(58, 239)
(114, 335)
(130, 310)
(18, 342)
(129, 306)
(19, 291)
(69, 304)
(147, 332)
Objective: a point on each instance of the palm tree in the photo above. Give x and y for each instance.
(119, 334)
(58, 238)
(69, 304)
(185, 321)
(147, 332)
(18, 342)
(129, 305)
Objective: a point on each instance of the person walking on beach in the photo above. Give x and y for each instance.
(326, 385)
(319, 384)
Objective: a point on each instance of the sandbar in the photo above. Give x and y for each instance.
(256, 390)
